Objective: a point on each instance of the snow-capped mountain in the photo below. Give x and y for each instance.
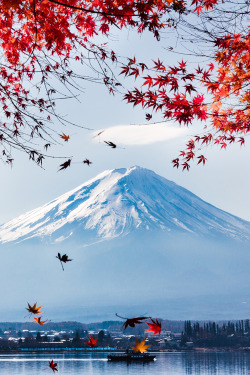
(169, 253)
(117, 202)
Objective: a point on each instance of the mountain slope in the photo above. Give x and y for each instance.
(117, 202)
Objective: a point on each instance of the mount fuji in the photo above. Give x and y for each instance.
(139, 244)
(118, 202)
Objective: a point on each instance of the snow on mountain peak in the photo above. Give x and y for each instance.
(118, 201)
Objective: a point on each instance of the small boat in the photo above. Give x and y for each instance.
(131, 357)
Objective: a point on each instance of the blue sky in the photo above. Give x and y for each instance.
(223, 182)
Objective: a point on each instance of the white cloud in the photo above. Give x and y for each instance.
(139, 134)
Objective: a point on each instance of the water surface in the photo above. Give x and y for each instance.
(96, 364)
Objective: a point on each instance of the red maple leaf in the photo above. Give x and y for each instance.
(155, 326)
(148, 81)
(185, 166)
(92, 342)
(176, 162)
(53, 365)
(202, 159)
(241, 140)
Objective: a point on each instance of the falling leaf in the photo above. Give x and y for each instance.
(65, 165)
(34, 309)
(111, 144)
(53, 365)
(39, 321)
(87, 161)
(63, 258)
(140, 346)
(132, 321)
(46, 146)
(155, 326)
(92, 342)
(65, 137)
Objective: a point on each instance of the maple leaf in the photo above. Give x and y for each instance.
(53, 365)
(185, 166)
(155, 326)
(199, 70)
(36, 310)
(202, 159)
(64, 165)
(46, 146)
(64, 137)
(86, 161)
(140, 346)
(182, 65)
(176, 162)
(92, 342)
(231, 139)
(206, 138)
(211, 67)
(148, 116)
(132, 61)
(134, 72)
(159, 66)
(132, 321)
(241, 141)
(125, 70)
(39, 321)
(143, 66)
(148, 81)
(63, 259)
(205, 75)
(189, 88)
(111, 144)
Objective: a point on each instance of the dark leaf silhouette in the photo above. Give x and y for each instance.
(132, 321)
(111, 144)
(87, 161)
(63, 259)
(46, 146)
(64, 165)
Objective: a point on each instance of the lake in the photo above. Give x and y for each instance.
(96, 364)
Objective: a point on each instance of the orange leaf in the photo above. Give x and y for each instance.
(34, 309)
(140, 346)
(64, 137)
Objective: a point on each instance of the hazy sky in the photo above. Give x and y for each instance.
(223, 182)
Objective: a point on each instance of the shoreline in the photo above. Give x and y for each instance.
(109, 350)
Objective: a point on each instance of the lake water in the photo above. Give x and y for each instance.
(96, 364)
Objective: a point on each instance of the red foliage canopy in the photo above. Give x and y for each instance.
(216, 94)
(39, 39)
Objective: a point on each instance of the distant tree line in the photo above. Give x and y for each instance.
(211, 334)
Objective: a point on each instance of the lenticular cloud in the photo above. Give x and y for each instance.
(132, 135)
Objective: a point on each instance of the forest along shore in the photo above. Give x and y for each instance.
(175, 336)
